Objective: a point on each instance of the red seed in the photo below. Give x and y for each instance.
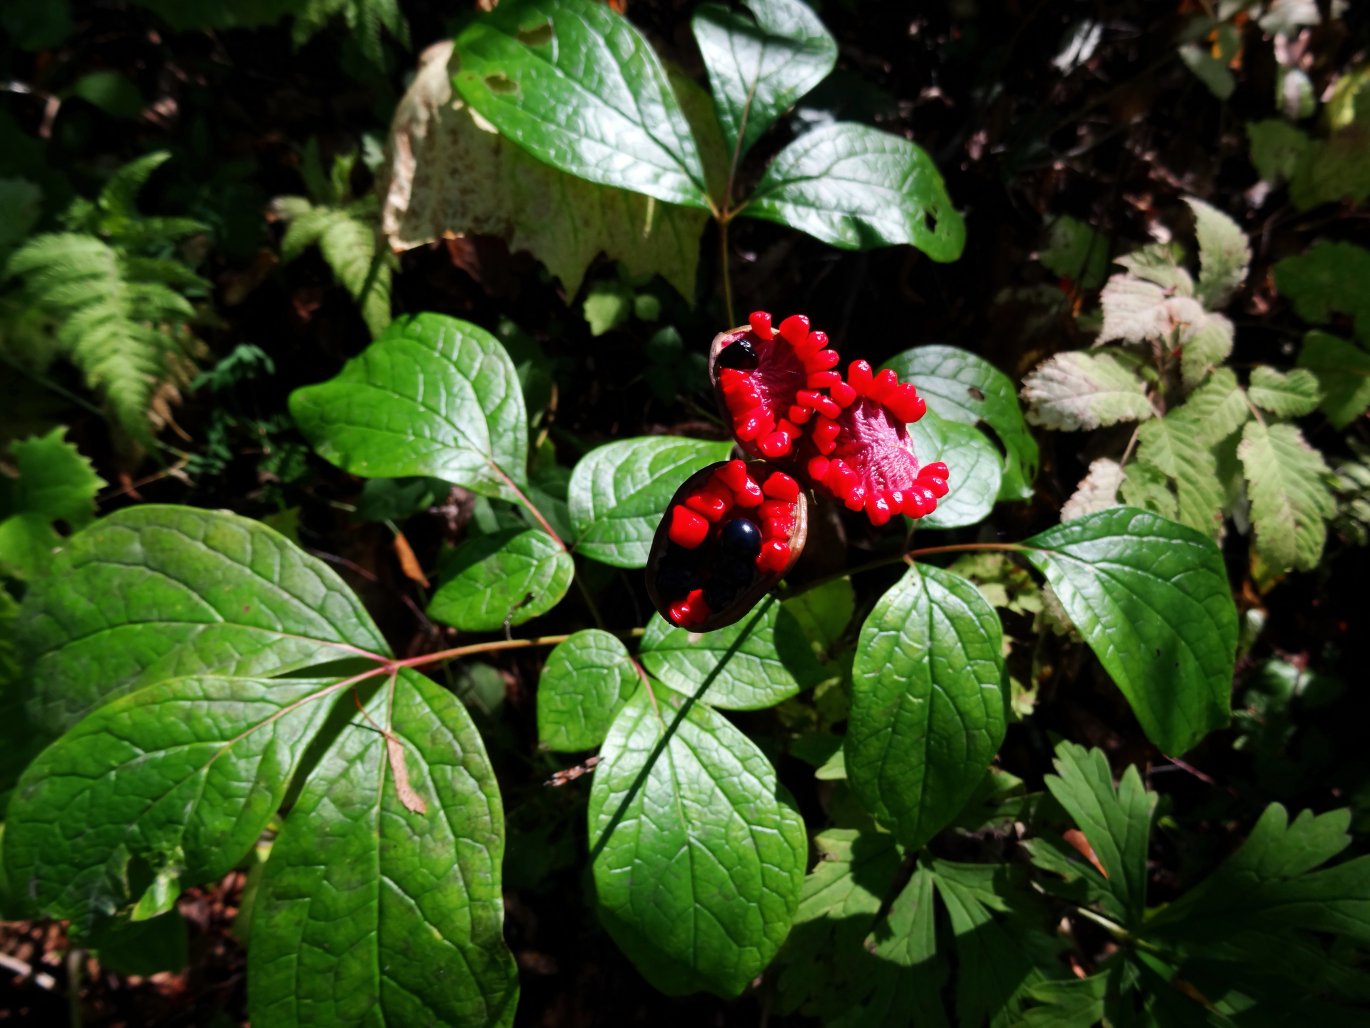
(857, 499)
(818, 340)
(823, 379)
(749, 495)
(905, 404)
(774, 556)
(687, 529)
(824, 434)
(781, 486)
(843, 394)
(822, 361)
(733, 474)
(679, 612)
(877, 509)
(919, 501)
(882, 385)
(800, 415)
(711, 504)
(756, 422)
(795, 330)
(761, 324)
(841, 479)
(859, 376)
(775, 445)
(778, 527)
(818, 468)
(936, 469)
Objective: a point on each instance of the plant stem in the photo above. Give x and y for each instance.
(727, 278)
(493, 645)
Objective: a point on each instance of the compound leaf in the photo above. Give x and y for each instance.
(927, 709)
(857, 188)
(1151, 598)
(502, 580)
(959, 386)
(432, 396)
(619, 491)
(381, 899)
(577, 86)
(585, 681)
(697, 853)
(760, 65)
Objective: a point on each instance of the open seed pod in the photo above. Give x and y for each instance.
(730, 533)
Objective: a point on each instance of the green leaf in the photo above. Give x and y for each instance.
(585, 681)
(578, 87)
(1067, 1003)
(1286, 480)
(381, 900)
(1148, 487)
(619, 492)
(153, 592)
(55, 483)
(927, 708)
(858, 188)
(607, 305)
(697, 853)
(21, 203)
(499, 581)
(448, 174)
(1224, 254)
(976, 470)
(1173, 445)
(1289, 395)
(1325, 279)
(432, 396)
(175, 781)
(1217, 408)
(1151, 599)
(1076, 252)
(959, 386)
(1116, 823)
(1137, 310)
(824, 612)
(346, 236)
(1083, 390)
(1343, 373)
(1212, 72)
(365, 20)
(1277, 148)
(760, 65)
(755, 663)
(1208, 345)
(1334, 170)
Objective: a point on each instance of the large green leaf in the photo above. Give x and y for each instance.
(927, 708)
(167, 786)
(577, 86)
(698, 854)
(1290, 499)
(959, 386)
(151, 592)
(432, 396)
(619, 492)
(1116, 822)
(858, 188)
(760, 65)
(381, 900)
(502, 580)
(1151, 598)
(758, 662)
(976, 470)
(585, 681)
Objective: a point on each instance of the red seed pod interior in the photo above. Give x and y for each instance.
(732, 530)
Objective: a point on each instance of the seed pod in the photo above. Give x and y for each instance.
(707, 576)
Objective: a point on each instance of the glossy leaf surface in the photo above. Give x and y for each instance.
(585, 681)
(927, 710)
(1151, 598)
(976, 470)
(432, 396)
(502, 579)
(698, 854)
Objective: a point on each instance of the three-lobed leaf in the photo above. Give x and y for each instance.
(502, 580)
(928, 707)
(432, 396)
(381, 898)
(760, 63)
(1151, 598)
(619, 492)
(697, 851)
(961, 386)
(858, 188)
(577, 86)
(756, 663)
(584, 682)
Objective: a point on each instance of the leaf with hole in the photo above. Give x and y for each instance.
(577, 86)
(697, 851)
(1151, 598)
(432, 396)
(502, 580)
(858, 188)
(928, 707)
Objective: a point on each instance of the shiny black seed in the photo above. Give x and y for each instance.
(673, 581)
(740, 538)
(740, 355)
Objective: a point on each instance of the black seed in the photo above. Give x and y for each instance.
(740, 538)
(674, 581)
(740, 355)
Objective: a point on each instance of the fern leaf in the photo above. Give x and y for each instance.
(346, 236)
(119, 198)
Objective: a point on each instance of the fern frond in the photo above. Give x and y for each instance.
(366, 19)
(347, 237)
(118, 318)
